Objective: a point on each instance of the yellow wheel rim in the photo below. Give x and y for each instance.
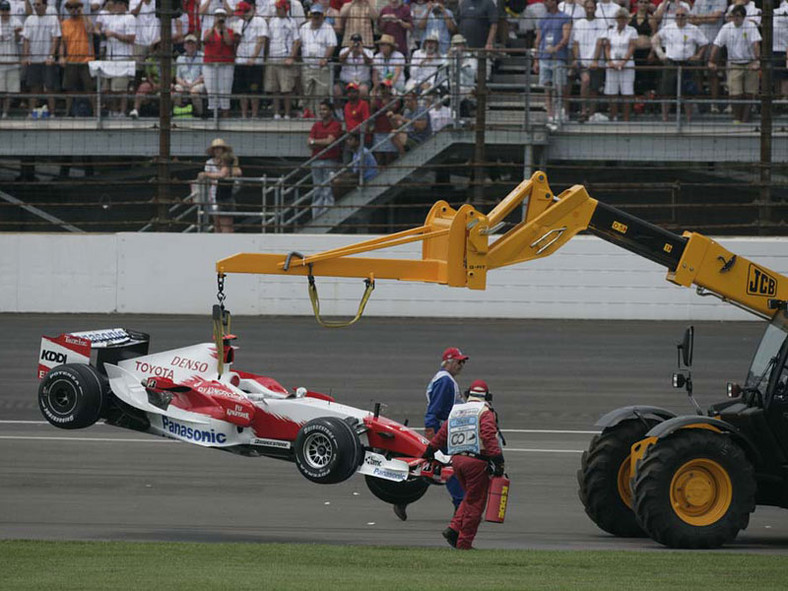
(701, 492)
(623, 483)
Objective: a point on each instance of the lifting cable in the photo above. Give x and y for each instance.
(369, 284)
(221, 322)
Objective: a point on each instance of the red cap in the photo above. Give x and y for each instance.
(282, 4)
(478, 388)
(352, 85)
(453, 353)
(242, 8)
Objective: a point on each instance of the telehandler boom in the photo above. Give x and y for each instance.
(686, 481)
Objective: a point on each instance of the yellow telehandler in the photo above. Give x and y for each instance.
(686, 481)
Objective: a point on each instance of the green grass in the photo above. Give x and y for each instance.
(170, 566)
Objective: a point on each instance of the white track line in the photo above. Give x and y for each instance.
(102, 439)
(532, 431)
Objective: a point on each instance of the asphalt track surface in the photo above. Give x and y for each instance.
(551, 380)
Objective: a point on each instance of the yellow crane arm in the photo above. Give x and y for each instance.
(456, 248)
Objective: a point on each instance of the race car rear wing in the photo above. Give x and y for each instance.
(92, 347)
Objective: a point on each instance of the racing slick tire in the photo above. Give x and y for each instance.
(327, 450)
(604, 476)
(397, 493)
(694, 489)
(72, 396)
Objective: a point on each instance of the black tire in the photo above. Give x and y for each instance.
(72, 396)
(603, 478)
(694, 489)
(397, 493)
(327, 450)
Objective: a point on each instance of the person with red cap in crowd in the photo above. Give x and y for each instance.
(443, 393)
(470, 436)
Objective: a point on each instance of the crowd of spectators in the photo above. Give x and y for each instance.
(636, 51)
(230, 54)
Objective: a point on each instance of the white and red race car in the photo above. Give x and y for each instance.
(191, 395)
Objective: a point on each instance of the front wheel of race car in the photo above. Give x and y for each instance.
(397, 493)
(71, 396)
(327, 450)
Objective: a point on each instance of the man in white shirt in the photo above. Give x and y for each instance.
(588, 35)
(424, 66)
(606, 11)
(708, 16)
(147, 32)
(295, 10)
(251, 31)
(356, 63)
(189, 76)
(683, 46)
(779, 48)
(10, 66)
(666, 11)
(742, 40)
(572, 8)
(121, 32)
(317, 43)
(281, 73)
(41, 34)
(753, 13)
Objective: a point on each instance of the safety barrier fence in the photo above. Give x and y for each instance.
(89, 191)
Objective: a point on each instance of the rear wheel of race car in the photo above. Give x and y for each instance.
(397, 493)
(71, 396)
(327, 450)
(694, 489)
(604, 476)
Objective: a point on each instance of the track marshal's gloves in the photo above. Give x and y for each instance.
(429, 453)
(497, 465)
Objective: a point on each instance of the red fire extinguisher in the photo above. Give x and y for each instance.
(497, 497)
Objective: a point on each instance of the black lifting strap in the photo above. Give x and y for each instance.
(369, 283)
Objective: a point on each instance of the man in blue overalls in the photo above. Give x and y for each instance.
(443, 393)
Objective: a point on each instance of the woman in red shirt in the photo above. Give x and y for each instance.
(219, 60)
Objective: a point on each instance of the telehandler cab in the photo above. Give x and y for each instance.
(686, 481)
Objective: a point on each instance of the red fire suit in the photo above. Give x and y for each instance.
(472, 472)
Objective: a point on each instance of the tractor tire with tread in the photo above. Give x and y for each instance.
(694, 489)
(603, 477)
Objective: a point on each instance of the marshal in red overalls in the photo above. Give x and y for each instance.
(472, 440)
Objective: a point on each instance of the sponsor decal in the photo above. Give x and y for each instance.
(55, 418)
(192, 434)
(238, 411)
(58, 358)
(388, 474)
(760, 283)
(103, 336)
(71, 340)
(271, 443)
(504, 500)
(186, 363)
(155, 370)
(373, 461)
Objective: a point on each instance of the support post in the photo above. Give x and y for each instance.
(163, 196)
(481, 124)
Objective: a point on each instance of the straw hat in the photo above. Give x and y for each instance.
(217, 143)
(387, 40)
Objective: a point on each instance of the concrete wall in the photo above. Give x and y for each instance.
(174, 274)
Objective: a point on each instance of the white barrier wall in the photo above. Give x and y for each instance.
(174, 274)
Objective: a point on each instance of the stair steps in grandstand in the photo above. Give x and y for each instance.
(382, 186)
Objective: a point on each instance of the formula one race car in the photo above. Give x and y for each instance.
(194, 395)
